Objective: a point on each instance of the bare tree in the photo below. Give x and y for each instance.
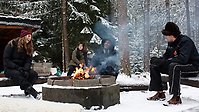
(65, 47)
(146, 35)
(123, 36)
(188, 18)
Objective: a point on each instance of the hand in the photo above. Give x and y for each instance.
(162, 62)
(157, 61)
(170, 59)
(26, 69)
(21, 69)
(81, 65)
(26, 75)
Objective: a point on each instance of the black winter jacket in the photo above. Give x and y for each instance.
(182, 51)
(13, 59)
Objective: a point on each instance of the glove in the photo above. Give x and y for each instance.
(26, 75)
(21, 69)
(157, 61)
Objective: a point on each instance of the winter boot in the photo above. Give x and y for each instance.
(33, 92)
(26, 93)
(175, 100)
(158, 96)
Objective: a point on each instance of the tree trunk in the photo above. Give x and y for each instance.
(188, 18)
(112, 8)
(65, 54)
(123, 36)
(196, 21)
(167, 2)
(146, 35)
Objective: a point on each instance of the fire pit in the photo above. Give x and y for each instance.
(82, 88)
(100, 91)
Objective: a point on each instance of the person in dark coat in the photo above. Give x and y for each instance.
(106, 59)
(79, 56)
(181, 59)
(17, 59)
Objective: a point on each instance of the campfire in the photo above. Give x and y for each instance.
(82, 72)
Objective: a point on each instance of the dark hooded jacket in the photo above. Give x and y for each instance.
(105, 60)
(182, 51)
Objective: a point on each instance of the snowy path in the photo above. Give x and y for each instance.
(130, 101)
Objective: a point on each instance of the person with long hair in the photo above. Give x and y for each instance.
(79, 56)
(17, 63)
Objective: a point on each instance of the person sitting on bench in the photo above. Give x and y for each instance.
(17, 63)
(180, 59)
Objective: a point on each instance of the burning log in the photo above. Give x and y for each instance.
(82, 73)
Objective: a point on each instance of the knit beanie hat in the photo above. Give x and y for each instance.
(171, 29)
(24, 33)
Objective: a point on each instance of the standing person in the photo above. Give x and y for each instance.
(106, 58)
(180, 59)
(79, 56)
(17, 63)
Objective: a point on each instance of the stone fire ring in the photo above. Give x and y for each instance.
(102, 91)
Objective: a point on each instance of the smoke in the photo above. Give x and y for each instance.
(105, 30)
(109, 62)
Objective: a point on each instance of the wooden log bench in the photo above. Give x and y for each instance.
(190, 81)
(133, 88)
(5, 82)
(43, 70)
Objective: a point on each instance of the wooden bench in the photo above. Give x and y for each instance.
(190, 81)
(5, 82)
(43, 70)
(133, 88)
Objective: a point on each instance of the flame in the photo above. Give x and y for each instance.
(82, 73)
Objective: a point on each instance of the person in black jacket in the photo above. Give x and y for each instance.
(17, 63)
(106, 59)
(181, 59)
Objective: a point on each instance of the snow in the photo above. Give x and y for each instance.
(53, 71)
(107, 23)
(94, 8)
(17, 17)
(130, 101)
(23, 104)
(136, 102)
(81, 1)
(86, 30)
(96, 39)
(194, 78)
(3, 79)
(35, 53)
(19, 24)
(142, 79)
(75, 15)
(71, 87)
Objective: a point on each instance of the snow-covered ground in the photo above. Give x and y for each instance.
(135, 101)
(130, 101)
(24, 104)
(141, 79)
